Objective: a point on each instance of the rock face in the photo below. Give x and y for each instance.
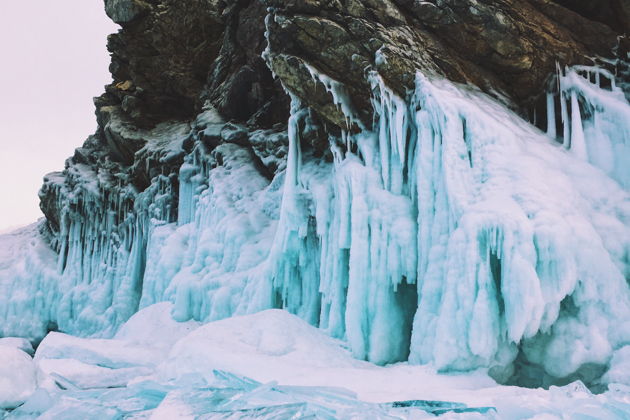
(207, 86)
(125, 11)
(172, 57)
(506, 47)
(168, 60)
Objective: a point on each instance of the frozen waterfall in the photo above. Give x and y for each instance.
(451, 232)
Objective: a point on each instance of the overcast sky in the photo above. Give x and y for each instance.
(53, 60)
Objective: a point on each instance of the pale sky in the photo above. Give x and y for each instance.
(53, 60)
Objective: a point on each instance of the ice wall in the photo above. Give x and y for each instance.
(213, 266)
(28, 279)
(92, 281)
(511, 241)
(101, 252)
(450, 232)
(520, 242)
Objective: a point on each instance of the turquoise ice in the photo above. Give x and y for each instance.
(451, 232)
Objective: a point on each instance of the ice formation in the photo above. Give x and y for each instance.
(593, 108)
(452, 232)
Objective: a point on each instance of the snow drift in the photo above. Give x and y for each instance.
(267, 365)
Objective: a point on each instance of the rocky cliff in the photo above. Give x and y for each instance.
(170, 59)
(205, 89)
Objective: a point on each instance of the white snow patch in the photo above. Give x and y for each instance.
(154, 326)
(261, 346)
(619, 372)
(18, 377)
(86, 376)
(102, 352)
(18, 343)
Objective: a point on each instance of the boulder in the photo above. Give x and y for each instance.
(125, 11)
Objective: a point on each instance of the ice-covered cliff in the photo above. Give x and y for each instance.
(429, 182)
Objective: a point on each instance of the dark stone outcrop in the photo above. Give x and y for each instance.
(504, 47)
(125, 11)
(173, 60)
(171, 56)
(614, 13)
(175, 54)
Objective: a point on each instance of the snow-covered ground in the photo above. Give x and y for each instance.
(269, 365)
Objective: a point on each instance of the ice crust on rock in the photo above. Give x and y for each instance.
(515, 242)
(619, 372)
(452, 232)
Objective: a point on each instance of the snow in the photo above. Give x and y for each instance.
(143, 341)
(89, 375)
(273, 363)
(155, 327)
(268, 343)
(619, 372)
(274, 345)
(107, 353)
(18, 377)
(18, 343)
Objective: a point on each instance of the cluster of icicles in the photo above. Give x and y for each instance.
(94, 283)
(586, 112)
(459, 235)
(451, 232)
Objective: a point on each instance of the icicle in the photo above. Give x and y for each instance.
(551, 116)
(339, 94)
(601, 134)
(565, 121)
(578, 145)
(293, 159)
